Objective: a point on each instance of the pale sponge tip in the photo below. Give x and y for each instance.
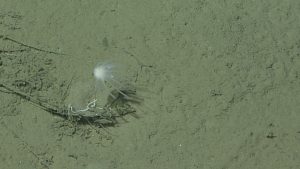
(103, 72)
(99, 73)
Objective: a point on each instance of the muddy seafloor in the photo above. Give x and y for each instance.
(219, 81)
